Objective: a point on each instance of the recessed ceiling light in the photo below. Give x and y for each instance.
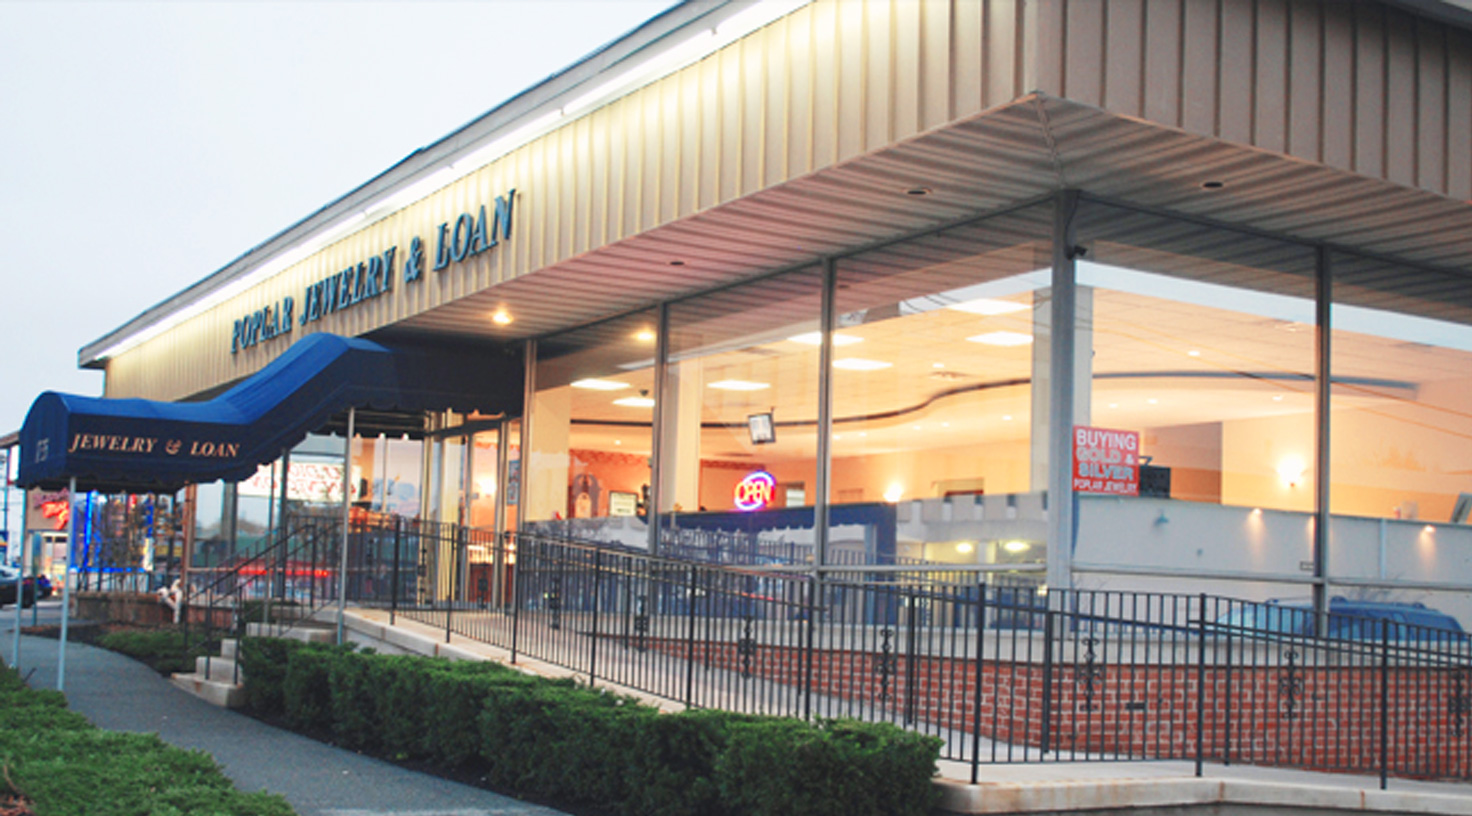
(677, 263)
(816, 339)
(739, 385)
(617, 442)
(599, 385)
(937, 365)
(1193, 353)
(964, 547)
(645, 336)
(1002, 338)
(1213, 185)
(860, 364)
(1113, 405)
(1153, 401)
(635, 402)
(1006, 417)
(988, 307)
(919, 191)
(1277, 398)
(501, 318)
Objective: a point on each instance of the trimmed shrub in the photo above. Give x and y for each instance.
(568, 743)
(263, 662)
(839, 768)
(165, 650)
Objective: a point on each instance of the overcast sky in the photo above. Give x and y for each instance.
(145, 145)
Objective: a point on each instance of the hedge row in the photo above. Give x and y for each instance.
(67, 766)
(561, 741)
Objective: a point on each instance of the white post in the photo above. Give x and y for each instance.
(347, 505)
(66, 590)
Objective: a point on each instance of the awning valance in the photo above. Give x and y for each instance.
(141, 445)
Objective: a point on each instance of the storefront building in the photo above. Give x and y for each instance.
(1166, 294)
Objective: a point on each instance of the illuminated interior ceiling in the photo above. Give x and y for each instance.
(1157, 362)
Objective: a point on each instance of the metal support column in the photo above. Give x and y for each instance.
(656, 449)
(66, 590)
(1060, 392)
(1322, 370)
(347, 506)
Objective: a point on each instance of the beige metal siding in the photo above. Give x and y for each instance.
(830, 82)
(1351, 85)
(1356, 86)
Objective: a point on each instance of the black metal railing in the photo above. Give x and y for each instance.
(278, 587)
(997, 667)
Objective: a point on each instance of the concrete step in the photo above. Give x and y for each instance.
(309, 632)
(230, 648)
(220, 693)
(217, 668)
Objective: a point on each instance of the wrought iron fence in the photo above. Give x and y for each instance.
(998, 668)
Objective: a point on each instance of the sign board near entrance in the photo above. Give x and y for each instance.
(1106, 461)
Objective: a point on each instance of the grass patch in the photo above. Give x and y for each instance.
(57, 764)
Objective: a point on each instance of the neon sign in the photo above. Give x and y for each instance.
(755, 491)
(61, 510)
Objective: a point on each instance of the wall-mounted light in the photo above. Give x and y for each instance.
(894, 492)
(1291, 469)
(964, 547)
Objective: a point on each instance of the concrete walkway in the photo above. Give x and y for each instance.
(121, 694)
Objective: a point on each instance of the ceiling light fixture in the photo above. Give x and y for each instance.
(739, 385)
(1002, 338)
(816, 339)
(592, 384)
(635, 402)
(860, 364)
(501, 318)
(988, 307)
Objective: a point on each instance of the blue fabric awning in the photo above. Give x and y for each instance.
(138, 445)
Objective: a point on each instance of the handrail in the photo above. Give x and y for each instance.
(308, 536)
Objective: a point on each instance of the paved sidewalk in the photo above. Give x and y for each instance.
(121, 694)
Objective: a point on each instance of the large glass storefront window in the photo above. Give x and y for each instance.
(937, 451)
(588, 473)
(1196, 375)
(740, 407)
(1401, 431)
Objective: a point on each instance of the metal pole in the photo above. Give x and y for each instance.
(25, 555)
(593, 647)
(393, 604)
(498, 551)
(1061, 373)
(658, 420)
(347, 506)
(976, 699)
(1201, 685)
(1384, 703)
(1323, 364)
(66, 602)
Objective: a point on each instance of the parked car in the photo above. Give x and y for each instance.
(1349, 620)
(10, 579)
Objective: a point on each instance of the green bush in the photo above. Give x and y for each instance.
(306, 689)
(568, 743)
(263, 661)
(166, 650)
(839, 768)
(66, 766)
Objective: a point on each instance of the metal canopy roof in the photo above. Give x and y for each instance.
(1010, 155)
